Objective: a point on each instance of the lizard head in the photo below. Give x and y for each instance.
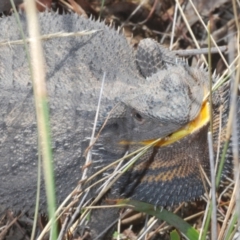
(168, 101)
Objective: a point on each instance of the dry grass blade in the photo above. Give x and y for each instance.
(42, 114)
(189, 29)
(212, 39)
(89, 156)
(92, 140)
(49, 36)
(142, 2)
(6, 228)
(173, 26)
(235, 133)
(148, 226)
(39, 149)
(213, 188)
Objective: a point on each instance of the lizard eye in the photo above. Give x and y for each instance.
(138, 117)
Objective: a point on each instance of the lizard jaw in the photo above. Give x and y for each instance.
(195, 125)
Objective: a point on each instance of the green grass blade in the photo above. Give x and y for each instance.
(162, 214)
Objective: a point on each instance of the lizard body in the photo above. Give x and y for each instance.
(146, 105)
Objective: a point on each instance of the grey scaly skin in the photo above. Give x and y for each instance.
(146, 105)
(75, 68)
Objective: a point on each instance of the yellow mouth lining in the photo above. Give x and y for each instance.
(201, 120)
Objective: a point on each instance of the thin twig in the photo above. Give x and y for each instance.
(190, 52)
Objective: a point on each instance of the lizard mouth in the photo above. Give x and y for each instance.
(195, 125)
